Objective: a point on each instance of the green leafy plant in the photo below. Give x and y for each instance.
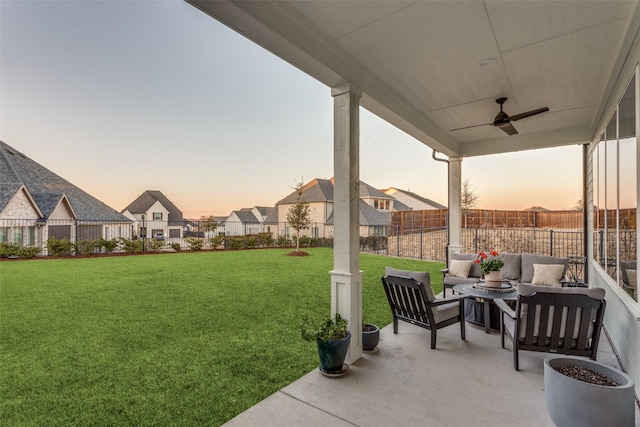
(8, 249)
(108, 245)
(489, 262)
(59, 247)
(236, 242)
(216, 241)
(156, 245)
(29, 251)
(175, 246)
(131, 246)
(84, 247)
(195, 243)
(326, 329)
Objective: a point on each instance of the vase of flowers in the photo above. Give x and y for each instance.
(490, 266)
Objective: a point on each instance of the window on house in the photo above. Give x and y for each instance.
(4, 234)
(614, 168)
(157, 216)
(375, 203)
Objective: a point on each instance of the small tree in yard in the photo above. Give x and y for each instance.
(299, 216)
(469, 199)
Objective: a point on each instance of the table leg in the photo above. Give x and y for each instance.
(487, 316)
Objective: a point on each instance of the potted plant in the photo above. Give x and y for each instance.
(580, 392)
(370, 337)
(332, 339)
(490, 267)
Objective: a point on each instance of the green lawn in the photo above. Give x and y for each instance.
(163, 340)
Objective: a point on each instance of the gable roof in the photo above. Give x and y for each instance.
(246, 216)
(368, 215)
(321, 190)
(47, 189)
(147, 199)
(417, 197)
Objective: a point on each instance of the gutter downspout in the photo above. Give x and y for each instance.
(433, 155)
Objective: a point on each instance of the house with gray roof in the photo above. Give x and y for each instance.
(155, 216)
(412, 200)
(36, 204)
(375, 208)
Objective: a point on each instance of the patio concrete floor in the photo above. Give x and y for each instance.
(406, 383)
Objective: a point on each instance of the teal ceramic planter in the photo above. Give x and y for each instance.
(332, 354)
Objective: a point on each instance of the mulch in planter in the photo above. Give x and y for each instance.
(583, 374)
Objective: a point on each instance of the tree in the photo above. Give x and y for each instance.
(468, 199)
(299, 216)
(579, 206)
(208, 223)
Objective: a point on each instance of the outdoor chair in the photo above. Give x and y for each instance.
(409, 301)
(629, 273)
(553, 320)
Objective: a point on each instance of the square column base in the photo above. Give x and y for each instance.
(346, 299)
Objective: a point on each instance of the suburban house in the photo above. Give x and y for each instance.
(412, 200)
(375, 209)
(36, 204)
(443, 72)
(242, 222)
(155, 216)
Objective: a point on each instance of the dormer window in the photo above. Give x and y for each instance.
(157, 216)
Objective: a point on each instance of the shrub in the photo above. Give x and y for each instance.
(325, 242)
(131, 246)
(29, 251)
(8, 249)
(284, 241)
(308, 241)
(215, 242)
(156, 245)
(175, 246)
(84, 247)
(251, 242)
(265, 239)
(108, 245)
(195, 243)
(59, 247)
(236, 242)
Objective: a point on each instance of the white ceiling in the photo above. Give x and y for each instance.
(418, 62)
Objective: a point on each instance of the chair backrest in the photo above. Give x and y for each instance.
(408, 299)
(625, 266)
(566, 319)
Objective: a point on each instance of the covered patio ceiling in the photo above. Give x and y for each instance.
(431, 66)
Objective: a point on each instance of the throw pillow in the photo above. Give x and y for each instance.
(421, 276)
(547, 274)
(460, 268)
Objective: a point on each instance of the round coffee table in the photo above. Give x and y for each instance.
(486, 295)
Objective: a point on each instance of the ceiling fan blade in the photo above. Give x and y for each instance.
(508, 129)
(528, 114)
(469, 127)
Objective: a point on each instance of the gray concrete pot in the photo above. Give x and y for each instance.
(571, 402)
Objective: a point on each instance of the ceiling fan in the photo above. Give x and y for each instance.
(503, 121)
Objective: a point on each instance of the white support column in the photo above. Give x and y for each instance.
(346, 277)
(455, 205)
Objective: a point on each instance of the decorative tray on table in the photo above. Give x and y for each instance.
(493, 286)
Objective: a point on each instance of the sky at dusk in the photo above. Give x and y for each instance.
(119, 97)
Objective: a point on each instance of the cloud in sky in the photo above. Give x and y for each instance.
(123, 97)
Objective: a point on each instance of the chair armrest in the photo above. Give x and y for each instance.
(504, 307)
(444, 271)
(449, 300)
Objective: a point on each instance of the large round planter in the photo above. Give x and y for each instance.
(370, 337)
(571, 402)
(332, 354)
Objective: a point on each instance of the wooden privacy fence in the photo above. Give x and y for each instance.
(417, 221)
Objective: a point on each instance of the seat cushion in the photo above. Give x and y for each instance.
(526, 275)
(446, 311)
(475, 268)
(421, 276)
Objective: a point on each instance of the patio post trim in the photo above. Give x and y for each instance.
(455, 205)
(346, 277)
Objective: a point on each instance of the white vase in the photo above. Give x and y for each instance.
(493, 277)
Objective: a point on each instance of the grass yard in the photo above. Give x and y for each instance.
(182, 339)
